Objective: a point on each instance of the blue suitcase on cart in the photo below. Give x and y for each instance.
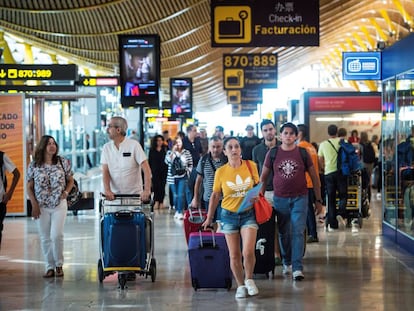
(124, 242)
(209, 260)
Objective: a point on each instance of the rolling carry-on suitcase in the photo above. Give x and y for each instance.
(209, 260)
(193, 219)
(265, 247)
(124, 244)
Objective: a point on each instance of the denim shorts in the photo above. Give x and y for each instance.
(233, 222)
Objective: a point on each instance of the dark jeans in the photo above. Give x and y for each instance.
(336, 183)
(310, 220)
(189, 192)
(3, 211)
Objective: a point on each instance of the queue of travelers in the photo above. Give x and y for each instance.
(214, 174)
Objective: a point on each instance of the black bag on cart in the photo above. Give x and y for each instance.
(265, 247)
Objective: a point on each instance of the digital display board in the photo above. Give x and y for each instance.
(181, 90)
(139, 57)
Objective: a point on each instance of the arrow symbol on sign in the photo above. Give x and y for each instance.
(85, 82)
(2, 73)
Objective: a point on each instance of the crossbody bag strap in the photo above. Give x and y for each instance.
(332, 145)
(250, 170)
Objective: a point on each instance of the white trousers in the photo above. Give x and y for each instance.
(50, 225)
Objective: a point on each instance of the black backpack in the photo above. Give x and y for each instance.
(177, 167)
(2, 174)
(368, 153)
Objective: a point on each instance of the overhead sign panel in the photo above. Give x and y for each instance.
(249, 71)
(361, 65)
(38, 72)
(265, 23)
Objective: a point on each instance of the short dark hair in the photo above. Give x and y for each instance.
(289, 125)
(219, 128)
(266, 122)
(304, 129)
(332, 130)
(342, 132)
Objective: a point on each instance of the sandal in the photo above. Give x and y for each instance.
(49, 274)
(59, 272)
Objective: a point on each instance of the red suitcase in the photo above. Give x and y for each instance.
(193, 219)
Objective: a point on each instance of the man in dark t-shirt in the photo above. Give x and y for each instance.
(291, 197)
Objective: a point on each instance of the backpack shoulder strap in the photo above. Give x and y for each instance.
(304, 154)
(273, 154)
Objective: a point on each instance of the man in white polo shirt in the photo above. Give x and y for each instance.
(122, 161)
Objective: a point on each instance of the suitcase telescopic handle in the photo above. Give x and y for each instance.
(213, 236)
(190, 210)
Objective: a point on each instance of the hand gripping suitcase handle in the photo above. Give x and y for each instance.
(213, 236)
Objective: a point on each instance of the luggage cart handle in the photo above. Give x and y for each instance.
(119, 196)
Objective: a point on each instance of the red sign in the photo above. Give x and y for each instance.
(345, 103)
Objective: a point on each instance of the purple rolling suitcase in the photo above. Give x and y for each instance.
(209, 260)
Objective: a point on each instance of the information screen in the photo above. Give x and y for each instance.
(139, 69)
(181, 90)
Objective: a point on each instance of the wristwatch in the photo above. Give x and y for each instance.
(320, 201)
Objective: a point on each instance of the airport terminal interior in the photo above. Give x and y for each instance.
(346, 270)
(85, 66)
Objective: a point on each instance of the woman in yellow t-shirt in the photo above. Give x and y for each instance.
(233, 180)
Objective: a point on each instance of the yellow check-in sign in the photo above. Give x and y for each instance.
(234, 97)
(232, 24)
(233, 78)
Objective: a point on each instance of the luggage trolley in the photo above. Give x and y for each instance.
(127, 239)
(357, 205)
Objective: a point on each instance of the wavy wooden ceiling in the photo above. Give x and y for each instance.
(85, 31)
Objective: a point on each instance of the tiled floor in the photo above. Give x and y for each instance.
(344, 271)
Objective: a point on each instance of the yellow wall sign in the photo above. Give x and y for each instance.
(232, 24)
(12, 143)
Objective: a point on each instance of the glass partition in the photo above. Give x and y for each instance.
(387, 152)
(405, 151)
(398, 152)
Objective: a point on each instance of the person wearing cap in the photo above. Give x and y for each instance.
(248, 142)
(290, 199)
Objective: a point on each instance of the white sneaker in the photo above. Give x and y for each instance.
(180, 216)
(354, 228)
(341, 222)
(332, 229)
(298, 275)
(176, 215)
(251, 287)
(241, 292)
(287, 269)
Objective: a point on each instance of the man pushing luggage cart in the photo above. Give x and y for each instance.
(123, 162)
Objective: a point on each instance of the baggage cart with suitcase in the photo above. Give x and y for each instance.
(126, 239)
